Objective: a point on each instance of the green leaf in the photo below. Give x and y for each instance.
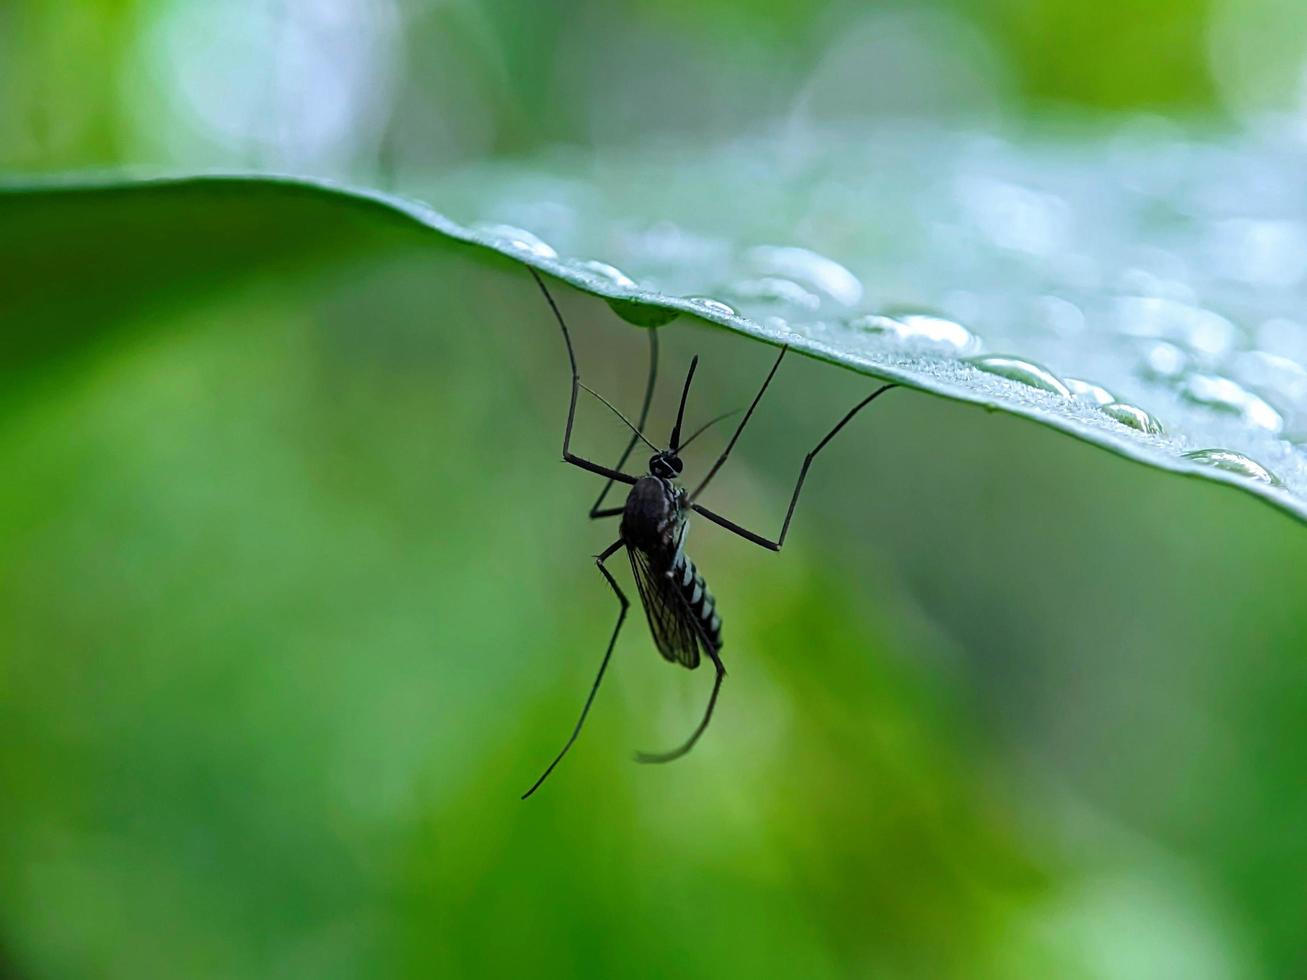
(1139, 293)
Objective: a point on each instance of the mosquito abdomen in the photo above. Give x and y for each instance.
(701, 601)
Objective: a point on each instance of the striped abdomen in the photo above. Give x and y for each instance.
(701, 601)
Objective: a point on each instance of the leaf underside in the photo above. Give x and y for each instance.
(1142, 292)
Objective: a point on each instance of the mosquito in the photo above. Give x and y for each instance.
(682, 613)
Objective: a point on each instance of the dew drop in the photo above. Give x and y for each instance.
(711, 305)
(813, 270)
(1164, 361)
(632, 311)
(1133, 416)
(1023, 371)
(920, 330)
(1015, 217)
(773, 289)
(1200, 329)
(1232, 462)
(1089, 392)
(1271, 372)
(1233, 398)
(642, 314)
(605, 271)
(520, 239)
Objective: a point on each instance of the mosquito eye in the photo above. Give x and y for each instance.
(676, 463)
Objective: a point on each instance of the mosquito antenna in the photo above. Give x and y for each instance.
(680, 412)
(708, 425)
(629, 424)
(644, 417)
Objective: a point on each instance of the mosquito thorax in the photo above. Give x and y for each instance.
(666, 465)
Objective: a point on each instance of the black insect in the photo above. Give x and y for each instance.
(682, 613)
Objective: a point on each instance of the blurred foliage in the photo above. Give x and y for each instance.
(296, 598)
(1111, 55)
(105, 82)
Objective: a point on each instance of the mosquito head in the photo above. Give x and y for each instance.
(665, 464)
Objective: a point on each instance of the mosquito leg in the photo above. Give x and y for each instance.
(568, 455)
(776, 545)
(703, 724)
(603, 664)
(739, 428)
(595, 508)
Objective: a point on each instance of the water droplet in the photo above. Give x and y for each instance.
(714, 306)
(814, 270)
(1089, 392)
(605, 271)
(1023, 371)
(520, 239)
(1232, 462)
(1272, 372)
(1280, 380)
(1164, 361)
(642, 314)
(1200, 329)
(772, 289)
(632, 311)
(920, 330)
(1133, 416)
(1015, 217)
(1229, 396)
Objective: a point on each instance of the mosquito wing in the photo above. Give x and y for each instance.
(670, 619)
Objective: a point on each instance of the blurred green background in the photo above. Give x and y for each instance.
(296, 598)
